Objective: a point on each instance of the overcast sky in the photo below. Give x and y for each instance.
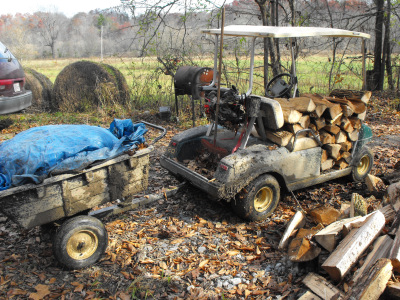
(68, 7)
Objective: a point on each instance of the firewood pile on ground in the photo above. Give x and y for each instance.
(358, 251)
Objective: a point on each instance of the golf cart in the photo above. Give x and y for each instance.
(244, 148)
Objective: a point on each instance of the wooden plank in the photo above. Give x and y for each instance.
(349, 250)
(381, 249)
(372, 282)
(321, 287)
(297, 221)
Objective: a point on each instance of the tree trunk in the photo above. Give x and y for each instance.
(377, 73)
(387, 44)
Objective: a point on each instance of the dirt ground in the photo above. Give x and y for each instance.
(186, 246)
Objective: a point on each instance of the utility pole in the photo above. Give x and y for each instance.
(101, 43)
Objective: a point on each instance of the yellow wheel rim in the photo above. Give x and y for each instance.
(363, 165)
(82, 244)
(263, 199)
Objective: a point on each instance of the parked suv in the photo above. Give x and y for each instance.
(13, 96)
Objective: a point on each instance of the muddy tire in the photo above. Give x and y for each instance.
(258, 200)
(80, 242)
(362, 165)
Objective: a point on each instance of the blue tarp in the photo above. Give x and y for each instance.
(33, 154)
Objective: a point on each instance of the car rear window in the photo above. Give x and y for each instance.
(4, 52)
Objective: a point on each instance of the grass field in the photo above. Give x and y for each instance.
(145, 75)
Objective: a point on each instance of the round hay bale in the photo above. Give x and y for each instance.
(86, 85)
(42, 90)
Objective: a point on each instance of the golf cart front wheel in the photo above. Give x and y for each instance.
(80, 242)
(258, 200)
(363, 165)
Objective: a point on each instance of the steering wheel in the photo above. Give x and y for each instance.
(278, 87)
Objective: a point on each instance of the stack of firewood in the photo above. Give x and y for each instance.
(358, 252)
(336, 119)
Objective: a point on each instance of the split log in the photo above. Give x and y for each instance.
(392, 291)
(297, 221)
(334, 129)
(394, 254)
(353, 245)
(321, 287)
(341, 164)
(301, 248)
(357, 107)
(353, 136)
(337, 119)
(280, 137)
(313, 127)
(346, 146)
(328, 164)
(291, 116)
(372, 283)
(326, 138)
(340, 137)
(333, 150)
(324, 156)
(302, 143)
(301, 104)
(374, 184)
(319, 123)
(305, 121)
(320, 105)
(330, 235)
(293, 128)
(389, 214)
(358, 205)
(346, 156)
(392, 177)
(381, 249)
(346, 125)
(393, 195)
(355, 122)
(324, 215)
(347, 111)
(362, 116)
(309, 296)
(352, 95)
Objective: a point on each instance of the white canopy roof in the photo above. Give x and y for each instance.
(284, 32)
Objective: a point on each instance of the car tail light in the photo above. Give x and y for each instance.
(6, 84)
(223, 167)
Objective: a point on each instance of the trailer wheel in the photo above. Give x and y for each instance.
(80, 242)
(363, 165)
(258, 200)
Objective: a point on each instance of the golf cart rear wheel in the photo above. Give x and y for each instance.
(258, 200)
(363, 165)
(80, 242)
